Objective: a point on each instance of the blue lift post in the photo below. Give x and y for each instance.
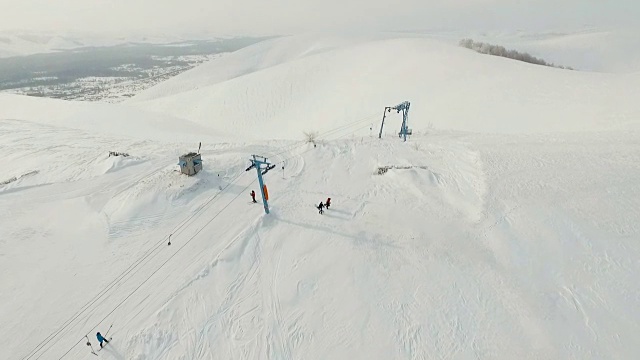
(404, 128)
(257, 162)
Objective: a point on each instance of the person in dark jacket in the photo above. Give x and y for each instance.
(253, 196)
(320, 207)
(101, 339)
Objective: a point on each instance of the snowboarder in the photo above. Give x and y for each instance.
(320, 208)
(101, 339)
(253, 196)
(328, 203)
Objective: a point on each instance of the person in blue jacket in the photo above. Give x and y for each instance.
(101, 339)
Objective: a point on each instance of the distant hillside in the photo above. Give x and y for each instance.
(284, 87)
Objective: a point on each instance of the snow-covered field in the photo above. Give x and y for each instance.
(506, 228)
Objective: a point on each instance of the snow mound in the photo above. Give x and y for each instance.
(110, 164)
(261, 95)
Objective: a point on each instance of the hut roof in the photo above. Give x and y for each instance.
(191, 154)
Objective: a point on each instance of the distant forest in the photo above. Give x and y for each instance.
(498, 50)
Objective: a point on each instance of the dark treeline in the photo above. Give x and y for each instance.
(498, 50)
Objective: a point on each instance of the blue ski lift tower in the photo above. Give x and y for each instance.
(404, 129)
(262, 166)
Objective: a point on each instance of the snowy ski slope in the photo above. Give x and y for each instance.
(450, 88)
(507, 228)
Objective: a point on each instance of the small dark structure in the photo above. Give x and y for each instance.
(190, 164)
(115, 153)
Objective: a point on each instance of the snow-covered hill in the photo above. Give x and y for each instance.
(107, 119)
(613, 51)
(507, 229)
(592, 49)
(449, 87)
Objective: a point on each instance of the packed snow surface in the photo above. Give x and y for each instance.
(506, 227)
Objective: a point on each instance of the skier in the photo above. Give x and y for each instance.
(101, 339)
(328, 203)
(253, 196)
(320, 208)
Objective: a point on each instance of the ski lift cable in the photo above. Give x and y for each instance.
(328, 132)
(306, 151)
(121, 276)
(323, 137)
(324, 134)
(161, 266)
(175, 231)
(117, 281)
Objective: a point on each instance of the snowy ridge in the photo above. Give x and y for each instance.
(613, 51)
(507, 230)
(448, 86)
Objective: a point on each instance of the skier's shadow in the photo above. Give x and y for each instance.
(359, 238)
(337, 211)
(114, 352)
(328, 213)
(315, 227)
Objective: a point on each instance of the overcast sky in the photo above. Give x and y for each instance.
(268, 17)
